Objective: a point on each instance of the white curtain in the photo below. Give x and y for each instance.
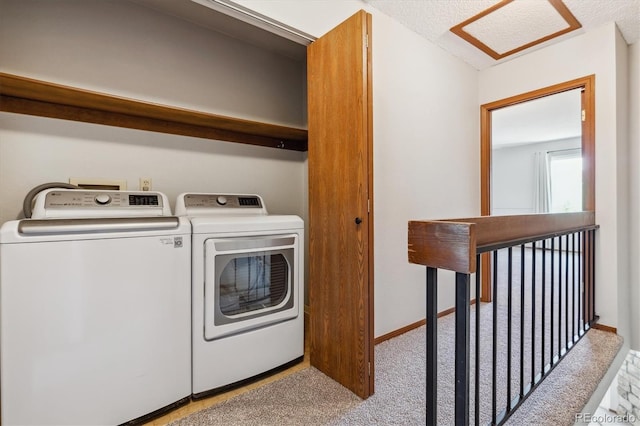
(542, 191)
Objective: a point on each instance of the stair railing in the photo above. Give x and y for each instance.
(543, 297)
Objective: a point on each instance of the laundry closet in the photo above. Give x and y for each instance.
(136, 51)
(177, 69)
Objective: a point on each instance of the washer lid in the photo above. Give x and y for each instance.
(235, 224)
(45, 230)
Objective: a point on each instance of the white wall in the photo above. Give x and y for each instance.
(34, 150)
(624, 307)
(513, 172)
(634, 173)
(426, 146)
(426, 161)
(125, 49)
(595, 52)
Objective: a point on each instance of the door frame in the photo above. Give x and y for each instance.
(587, 84)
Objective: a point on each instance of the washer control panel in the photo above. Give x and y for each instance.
(85, 199)
(94, 203)
(190, 204)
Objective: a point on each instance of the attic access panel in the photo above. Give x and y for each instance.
(515, 25)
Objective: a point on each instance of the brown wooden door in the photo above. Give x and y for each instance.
(340, 193)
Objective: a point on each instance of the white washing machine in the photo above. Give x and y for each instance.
(95, 306)
(247, 281)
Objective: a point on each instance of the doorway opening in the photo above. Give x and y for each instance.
(527, 139)
(586, 87)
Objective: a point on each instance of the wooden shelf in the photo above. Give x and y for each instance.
(34, 97)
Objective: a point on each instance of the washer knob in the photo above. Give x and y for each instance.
(103, 199)
(222, 200)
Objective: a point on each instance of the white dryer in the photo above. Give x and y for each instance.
(95, 306)
(247, 275)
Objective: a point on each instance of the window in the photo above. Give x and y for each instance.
(565, 176)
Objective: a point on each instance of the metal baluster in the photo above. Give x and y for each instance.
(462, 349)
(589, 259)
(583, 287)
(494, 361)
(544, 305)
(509, 326)
(522, 277)
(573, 291)
(590, 276)
(593, 271)
(559, 297)
(533, 312)
(477, 371)
(551, 305)
(566, 293)
(432, 346)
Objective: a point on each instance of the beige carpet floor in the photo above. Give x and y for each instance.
(310, 398)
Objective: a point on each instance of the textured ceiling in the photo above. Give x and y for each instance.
(432, 19)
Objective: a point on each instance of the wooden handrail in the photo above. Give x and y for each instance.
(453, 243)
(40, 98)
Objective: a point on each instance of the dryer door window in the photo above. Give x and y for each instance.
(249, 283)
(252, 283)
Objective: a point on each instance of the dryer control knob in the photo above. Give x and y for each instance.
(222, 200)
(103, 199)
